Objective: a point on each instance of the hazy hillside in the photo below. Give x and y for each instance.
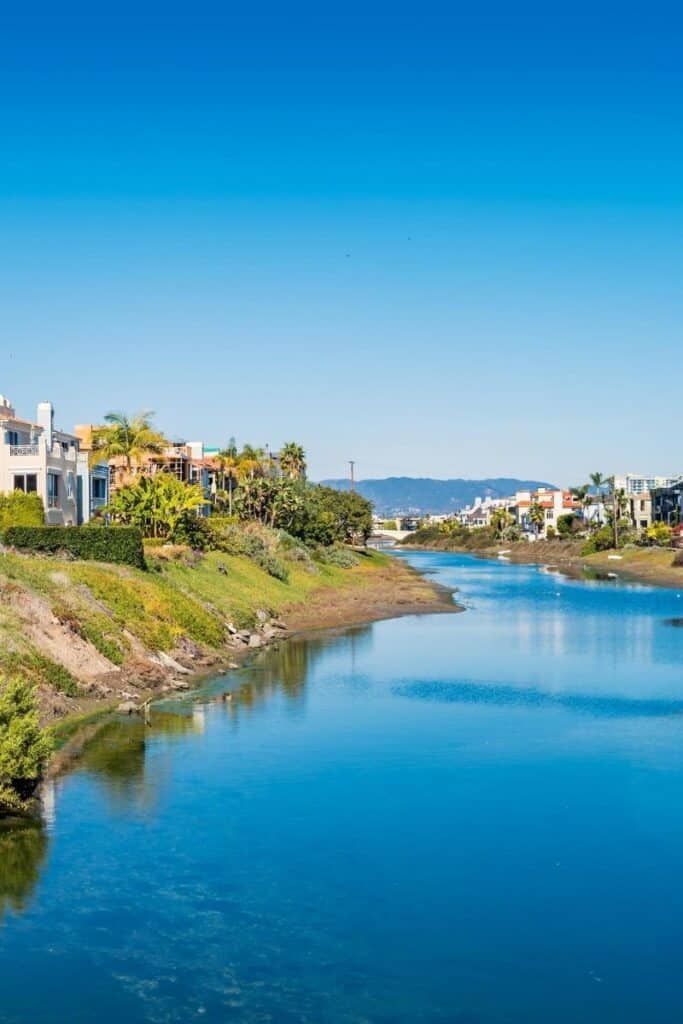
(404, 494)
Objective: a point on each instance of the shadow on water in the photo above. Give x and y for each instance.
(497, 695)
(285, 670)
(23, 850)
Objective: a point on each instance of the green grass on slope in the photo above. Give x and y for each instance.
(102, 603)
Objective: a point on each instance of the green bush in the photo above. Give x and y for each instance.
(24, 746)
(20, 509)
(341, 557)
(122, 544)
(601, 540)
(236, 540)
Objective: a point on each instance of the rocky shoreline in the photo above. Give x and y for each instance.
(391, 591)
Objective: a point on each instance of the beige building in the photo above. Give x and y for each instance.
(37, 458)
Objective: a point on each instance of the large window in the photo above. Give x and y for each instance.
(99, 488)
(27, 482)
(52, 490)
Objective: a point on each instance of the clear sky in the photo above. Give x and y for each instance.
(440, 240)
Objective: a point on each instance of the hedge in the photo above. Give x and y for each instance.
(121, 544)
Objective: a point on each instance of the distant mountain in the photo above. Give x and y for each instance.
(405, 495)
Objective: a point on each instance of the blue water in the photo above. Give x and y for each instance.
(463, 819)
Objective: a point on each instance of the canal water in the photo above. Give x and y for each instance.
(472, 819)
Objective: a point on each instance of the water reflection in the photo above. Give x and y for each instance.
(500, 695)
(288, 669)
(23, 849)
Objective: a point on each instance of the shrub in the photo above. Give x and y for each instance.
(659, 534)
(121, 544)
(24, 746)
(601, 540)
(20, 509)
(341, 557)
(566, 525)
(250, 543)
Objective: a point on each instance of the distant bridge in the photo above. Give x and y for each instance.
(386, 538)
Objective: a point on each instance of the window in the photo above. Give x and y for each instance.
(27, 482)
(549, 514)
(13, 437)
(99, 487)
(52, 490)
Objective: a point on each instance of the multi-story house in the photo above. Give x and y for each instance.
(633, 484)
(37, 458)
(554, 504)
(667, 504)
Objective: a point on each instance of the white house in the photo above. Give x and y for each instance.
(37, 458)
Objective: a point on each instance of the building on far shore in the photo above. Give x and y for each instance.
(634, 484)
(667, 503)
(37, 458)
(555, 503)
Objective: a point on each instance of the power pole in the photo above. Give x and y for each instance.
(351, 477)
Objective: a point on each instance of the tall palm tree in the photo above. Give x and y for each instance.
(293, 461)
(536, 516)
(228, 463)
(127, 439)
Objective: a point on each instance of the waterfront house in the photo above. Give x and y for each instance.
(37, 458)
(667, 504)
(555, 503)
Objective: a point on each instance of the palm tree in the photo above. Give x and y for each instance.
(250, 462)
(293, 461)
(228, 463)
(130, 439)
(501, 519)
(536, 516)
(582, 495)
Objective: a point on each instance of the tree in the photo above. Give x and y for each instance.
(129, 439)
(565, 525)
(24, 746)
(228, 467)
(293, 461)
(536, 517)
(501, 520)
(161, 505)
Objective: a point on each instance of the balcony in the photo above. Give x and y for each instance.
(23, 450)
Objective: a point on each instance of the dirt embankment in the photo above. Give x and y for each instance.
(124, 637)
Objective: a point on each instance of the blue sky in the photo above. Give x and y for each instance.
(437, 240)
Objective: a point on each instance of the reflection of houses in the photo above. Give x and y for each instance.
(37, 458)
(553, 503)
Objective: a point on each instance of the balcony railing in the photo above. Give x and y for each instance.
(22, 450)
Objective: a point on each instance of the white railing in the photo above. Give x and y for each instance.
(23, 450)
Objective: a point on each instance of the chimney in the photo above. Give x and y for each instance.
(46, 420)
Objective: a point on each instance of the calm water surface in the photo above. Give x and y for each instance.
(463, 819)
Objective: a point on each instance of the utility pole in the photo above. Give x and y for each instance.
(351, 477)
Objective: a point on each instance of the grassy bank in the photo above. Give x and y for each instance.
(91, 634)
